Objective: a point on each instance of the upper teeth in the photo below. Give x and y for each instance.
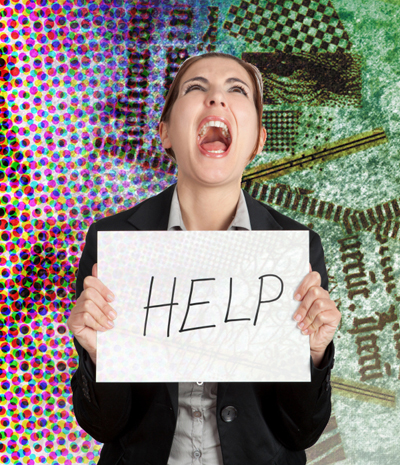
(217, 124)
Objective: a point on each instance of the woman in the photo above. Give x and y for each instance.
(211, 125)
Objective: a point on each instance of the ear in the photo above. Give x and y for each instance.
(162, 131)
(263, 138)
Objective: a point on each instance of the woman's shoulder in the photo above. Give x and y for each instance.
(285, 221)
(282, 221)
(149, 207)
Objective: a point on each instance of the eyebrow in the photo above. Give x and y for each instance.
(228, 81)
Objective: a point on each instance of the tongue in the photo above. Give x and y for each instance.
(216, 145)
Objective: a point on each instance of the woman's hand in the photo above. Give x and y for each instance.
(92, 313)
(317, 315)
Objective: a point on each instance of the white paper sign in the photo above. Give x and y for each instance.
(203, 306)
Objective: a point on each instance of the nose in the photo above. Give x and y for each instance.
(212, 102)
(216, 98)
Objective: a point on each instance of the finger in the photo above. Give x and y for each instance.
(310, 280)
(310, 267)
(93, 295)
(313, 293)
(86, 320)
(316, 326)
(328, 319)
(309, 323)
(92, 322)
(82, 319)
(103, 316)
(102, 289)
(94, 270)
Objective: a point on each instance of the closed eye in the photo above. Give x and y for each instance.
(194, 86)
(241, 89)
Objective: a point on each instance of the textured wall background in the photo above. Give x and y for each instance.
(82, 87)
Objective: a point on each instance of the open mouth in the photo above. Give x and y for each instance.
(214, 138)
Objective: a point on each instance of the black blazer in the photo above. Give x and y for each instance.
(136, 421)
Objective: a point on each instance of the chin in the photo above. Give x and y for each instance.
(215, 178)
(211, 171)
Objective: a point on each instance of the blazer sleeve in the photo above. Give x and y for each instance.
(303, 409)
(101, 409)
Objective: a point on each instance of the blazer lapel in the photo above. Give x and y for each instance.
(260, 217)
(153, 214)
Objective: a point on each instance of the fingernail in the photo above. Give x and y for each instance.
(297, 317)
(110, 323)
(297, 297)
(110, 297)
(300, 325)
(305, 331)
(102, 328)
(112, 314)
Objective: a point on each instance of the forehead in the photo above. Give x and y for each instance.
(217, 68)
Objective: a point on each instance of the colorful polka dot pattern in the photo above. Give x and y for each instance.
(79, 104)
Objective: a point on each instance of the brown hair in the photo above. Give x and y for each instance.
(173, 91)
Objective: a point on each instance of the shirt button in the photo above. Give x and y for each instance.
(200, 383)
(196, 454)
(197, 414)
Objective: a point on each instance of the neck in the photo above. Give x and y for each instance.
(207, 209)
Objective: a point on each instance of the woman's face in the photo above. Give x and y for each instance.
(213, 124)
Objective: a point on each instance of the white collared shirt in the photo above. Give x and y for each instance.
(196, 439)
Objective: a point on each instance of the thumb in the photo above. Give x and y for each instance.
(309, 265)
(94, 270)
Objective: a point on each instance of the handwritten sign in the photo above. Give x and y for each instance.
(203, 306)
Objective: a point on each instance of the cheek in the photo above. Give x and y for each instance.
(249, 124)
(181, 119)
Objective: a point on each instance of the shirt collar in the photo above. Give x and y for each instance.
(241, 221)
